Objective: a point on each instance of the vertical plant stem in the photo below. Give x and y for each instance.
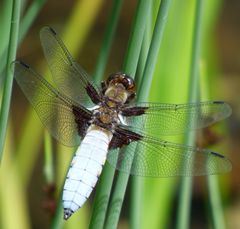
(122, 180)
(183, 220)
(169, 85)
(136, 38)
(105, 182)
(104, 187)
(5, 16)
(154, 50)
(145, 46)
(102, 196)
(212, 181)
(136, 190)
(130, 66)
(215, 203)
(5, 20)
(24, 26)
(7, 91)
(57, 221)
(107, 40)
(144, 90)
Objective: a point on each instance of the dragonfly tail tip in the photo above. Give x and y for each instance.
(67, 213)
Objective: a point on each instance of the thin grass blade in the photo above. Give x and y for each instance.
(7, 91)
(105, 183)
(122, 180)
(183, 220)
(144, 90)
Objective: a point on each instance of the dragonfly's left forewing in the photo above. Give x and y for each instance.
(70, 78)
(62, 117)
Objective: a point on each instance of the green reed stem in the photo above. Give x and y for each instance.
(145, 85)
(7, 90)
(122, 180)
(107, 40)
(215, 201)
(136, 38)
(136, 190)
(145, 46)
(183, 218)
(105, 182)
(144, 90)
(5, 21)
(102, 196)
(105, 185)
(24, 26)
(57, 221)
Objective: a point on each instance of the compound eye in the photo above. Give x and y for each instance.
(112, 79)
(125, 82)
(130, 85)
(122, 78)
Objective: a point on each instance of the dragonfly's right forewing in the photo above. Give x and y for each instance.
(168, 119)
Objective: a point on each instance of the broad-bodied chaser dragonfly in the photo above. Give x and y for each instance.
(105, 119)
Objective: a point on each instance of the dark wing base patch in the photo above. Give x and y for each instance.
(123, 137)
(82, 118)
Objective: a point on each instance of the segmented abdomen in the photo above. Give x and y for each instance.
(85, 169)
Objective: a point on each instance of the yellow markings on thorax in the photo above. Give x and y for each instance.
(117, 93)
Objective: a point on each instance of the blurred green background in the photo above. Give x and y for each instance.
(31, 182)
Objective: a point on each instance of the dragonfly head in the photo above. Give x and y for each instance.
(120, 87)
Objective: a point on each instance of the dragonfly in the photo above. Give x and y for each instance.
(105, 123)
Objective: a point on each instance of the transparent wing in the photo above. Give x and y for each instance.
(70, 78)
(167, 119)
(54, 109)
(157, 158)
